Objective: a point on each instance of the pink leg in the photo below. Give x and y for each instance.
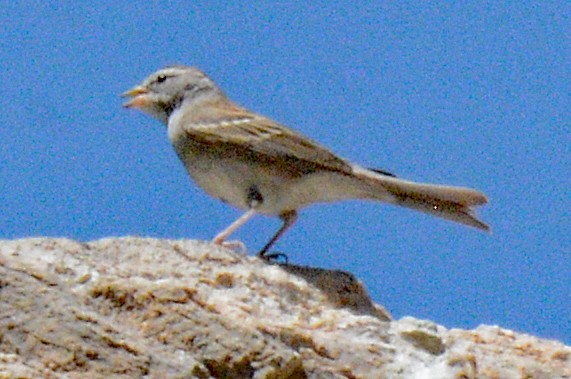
(221, 237)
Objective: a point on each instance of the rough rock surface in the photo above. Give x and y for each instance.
(147, 308)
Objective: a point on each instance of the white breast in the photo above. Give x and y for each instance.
(175, 129)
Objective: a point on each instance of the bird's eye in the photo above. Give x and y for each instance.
(161, 78)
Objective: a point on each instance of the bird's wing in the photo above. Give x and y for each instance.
(265, 141)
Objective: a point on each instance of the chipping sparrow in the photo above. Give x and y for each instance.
(256, 164)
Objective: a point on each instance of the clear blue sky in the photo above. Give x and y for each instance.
(475, 95)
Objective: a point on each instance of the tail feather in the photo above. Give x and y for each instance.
(452, 203)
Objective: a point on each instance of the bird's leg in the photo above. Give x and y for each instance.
(289, 219)
(220, 238)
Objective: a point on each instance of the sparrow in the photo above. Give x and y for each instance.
(256, 164)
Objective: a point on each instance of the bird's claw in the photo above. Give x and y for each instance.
(236, 246)
(274, 257)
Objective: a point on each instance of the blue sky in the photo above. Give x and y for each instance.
(475, 95)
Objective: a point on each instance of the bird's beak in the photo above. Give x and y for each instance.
(138, 97)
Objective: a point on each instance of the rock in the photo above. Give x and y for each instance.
(148, 308)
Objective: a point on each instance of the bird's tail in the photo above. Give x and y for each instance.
(452, 203)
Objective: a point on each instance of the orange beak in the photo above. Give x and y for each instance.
(138, 97)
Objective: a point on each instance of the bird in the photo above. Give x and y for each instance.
(263, 167)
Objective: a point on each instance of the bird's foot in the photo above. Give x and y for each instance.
(237, 246)
(274, 257)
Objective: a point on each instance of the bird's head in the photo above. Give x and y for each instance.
(164, 91)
